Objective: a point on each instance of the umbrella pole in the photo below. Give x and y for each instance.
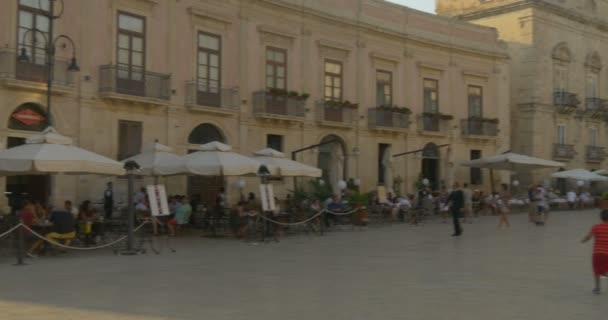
(492, 180)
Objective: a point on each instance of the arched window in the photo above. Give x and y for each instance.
(205, 133)
(29, 117)
(561, 63)
(593, 63)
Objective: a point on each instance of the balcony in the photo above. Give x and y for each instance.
(226, 101)
(434, 124)
(388, 120)
(595, 154)
(120, 83)
(33, 77)
(563, 151)
(596, 107)
(479, 127)
(337, 115)
(278, 107)
(565, 102)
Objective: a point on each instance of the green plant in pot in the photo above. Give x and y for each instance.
(604, 201)
(359, 201)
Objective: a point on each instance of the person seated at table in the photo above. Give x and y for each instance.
(335, 205)
(182, 215)
(86, 221)
(572, 199)
(40, 213)
(246, 211)
(63, 229)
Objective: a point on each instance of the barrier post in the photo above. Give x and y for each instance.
(20, 246)
(322, 222)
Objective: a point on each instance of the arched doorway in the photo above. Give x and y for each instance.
(430, 165)
(201, 189)
(27, 117)
(333, 160)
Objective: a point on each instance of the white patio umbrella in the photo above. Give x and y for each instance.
(278, 165)
(52, 153)
(216, 159)
(579, 174)
(512, 162)
(158, 160)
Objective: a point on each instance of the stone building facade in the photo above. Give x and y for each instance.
(559, 83)
(375, 78)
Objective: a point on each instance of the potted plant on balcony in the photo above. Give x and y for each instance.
(303, 96)
(359, 201)
(604, 201)
(438, 115)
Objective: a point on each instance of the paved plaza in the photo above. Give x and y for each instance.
(385, 272)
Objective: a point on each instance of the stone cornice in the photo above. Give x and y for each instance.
(456, 48)
(535, 4)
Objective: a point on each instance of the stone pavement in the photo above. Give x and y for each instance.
(386, 272)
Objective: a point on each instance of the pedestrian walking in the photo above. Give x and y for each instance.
(502, 205)
(456, 200)
(540, 201)
(599, 233)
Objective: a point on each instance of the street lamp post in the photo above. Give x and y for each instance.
(50, 43)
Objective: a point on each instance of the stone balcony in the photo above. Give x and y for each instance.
(278, 107)
(330, 115)
(120, 83)
(563, 151)
(225, 101)
(595, 154)
(596, 107)
(479, 128)
(387, 120)
(33, 76)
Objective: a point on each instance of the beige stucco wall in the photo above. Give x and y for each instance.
(365, 35)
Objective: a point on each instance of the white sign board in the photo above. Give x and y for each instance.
(267, 197)
(157, 198)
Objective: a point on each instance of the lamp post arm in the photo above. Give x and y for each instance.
(63, 36)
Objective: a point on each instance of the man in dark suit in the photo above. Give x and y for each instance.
(108, 201)
(456, 200)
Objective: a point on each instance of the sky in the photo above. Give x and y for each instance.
(424, 5)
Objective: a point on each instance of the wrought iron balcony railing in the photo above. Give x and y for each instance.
(435, 123)
(36, 71)
(563, 151)
(134, 82)
(596, 106)
(265, 103)
(565, 102)
(479, 127)
(335, 114)
(226, 99)
(379, 118)
(595, 154)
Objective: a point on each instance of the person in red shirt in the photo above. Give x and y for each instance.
(600, 249)
(27, 217)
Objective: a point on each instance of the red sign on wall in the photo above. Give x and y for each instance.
(28, 117)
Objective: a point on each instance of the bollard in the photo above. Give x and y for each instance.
(322, 222)
(20, 245)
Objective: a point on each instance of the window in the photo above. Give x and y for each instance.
(129, 138)
(276, 68)
(384, 88)
(383, 154)
(476, 175)
(131, 49)
(430, 94)
(475, 94)
(333, 80)
(592, 85)
(560, 78)
(205, 133)
(209, 69)
(33, 15)
(561, 134)
(275, 142)
(593, 137)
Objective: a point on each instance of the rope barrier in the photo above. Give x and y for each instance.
(10, 230)
(290, 224)
(343, 213)
(53, 242)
